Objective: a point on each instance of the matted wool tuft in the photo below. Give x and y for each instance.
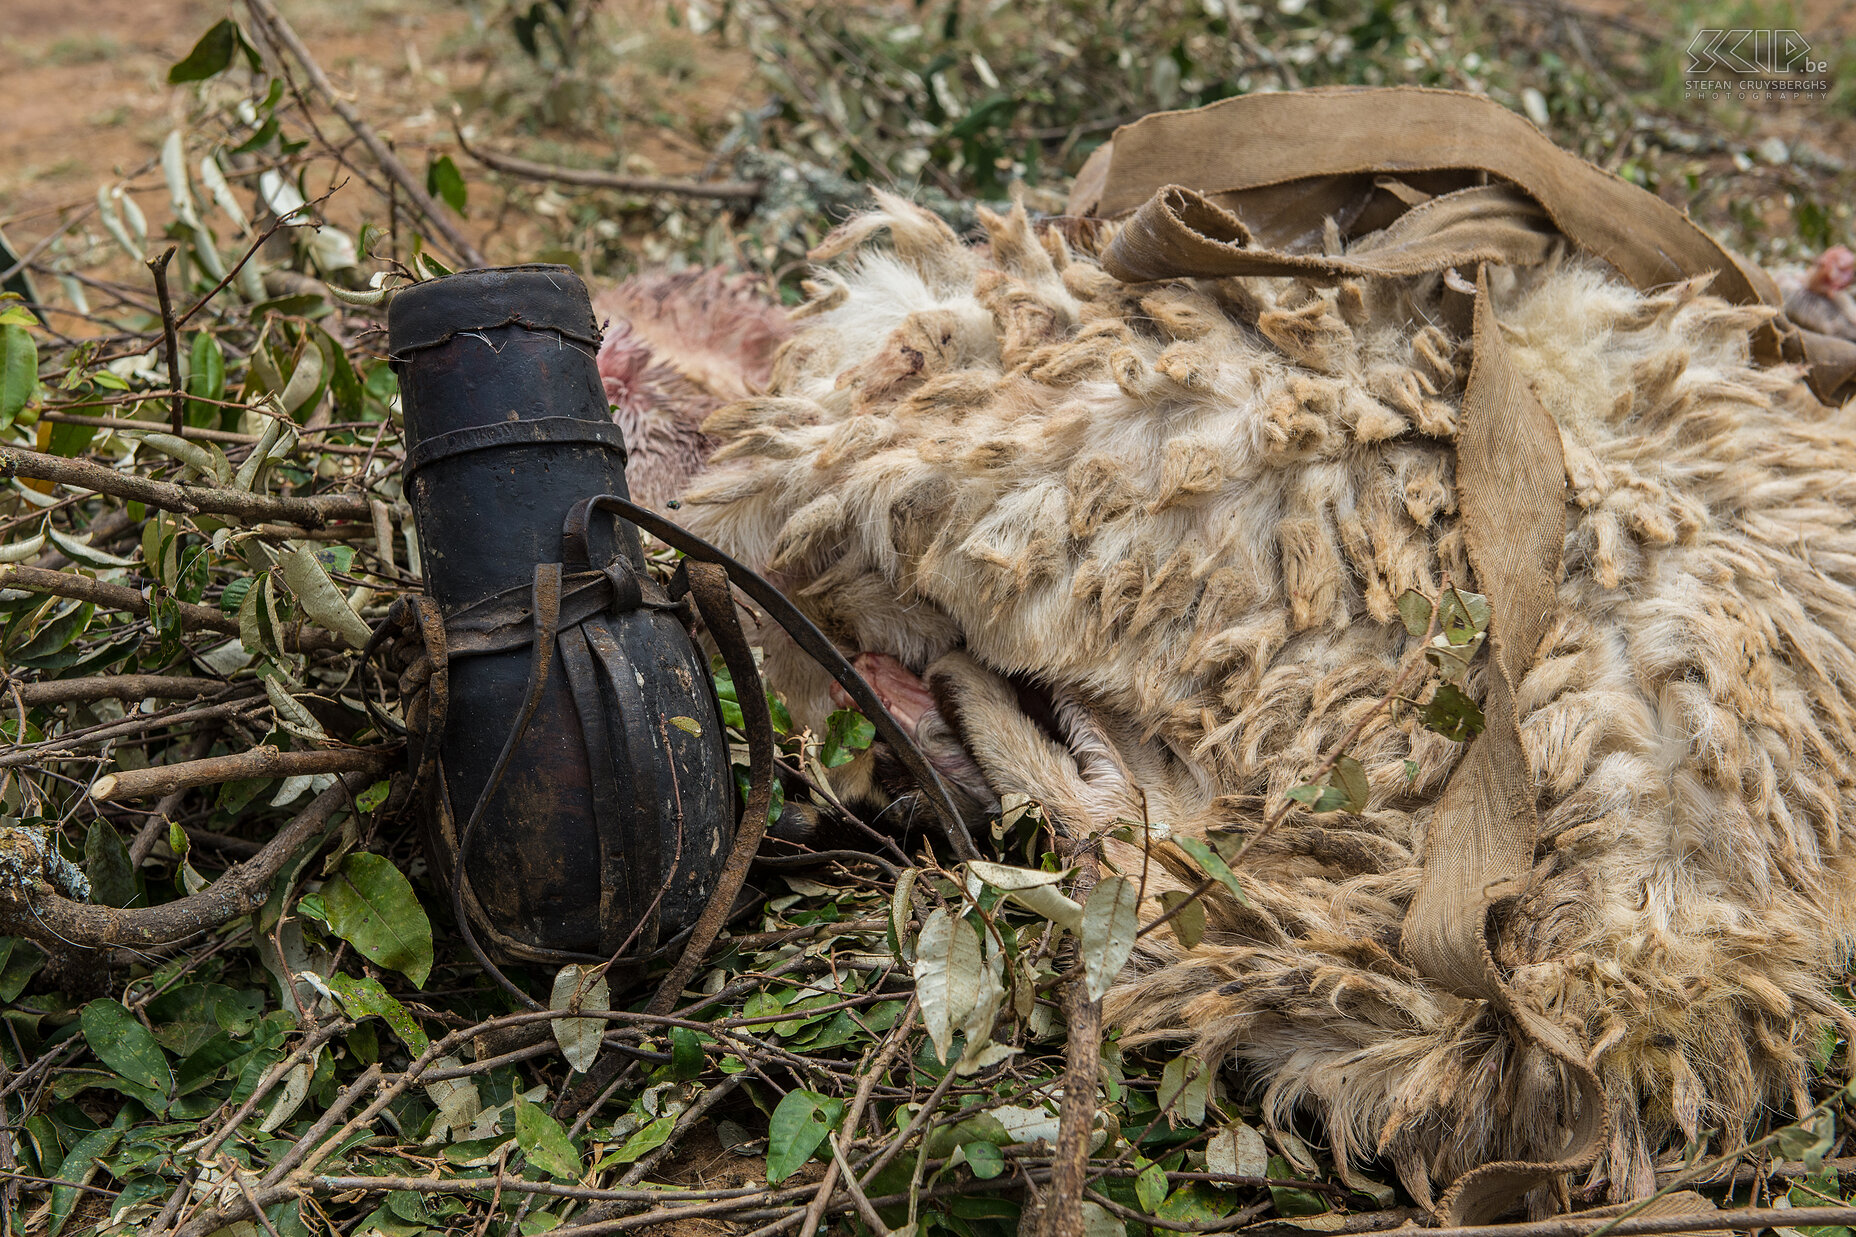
(1185, 510)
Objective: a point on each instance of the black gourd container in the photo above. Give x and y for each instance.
(610, 823)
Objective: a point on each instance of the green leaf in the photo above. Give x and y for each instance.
(106, 863)
(986, 1160)
(21, 960)
(647, 1138)
(206, 379)
(309, 582)
(19, 372)
(799, 1124)
(259, 625)
(75, 1168)
(210, 56)
(686, 1054)
(1810, 1140)
(73, 440)
(1214, 866)
(1452, 714)
(1185, 1086)
(1149, 1184)
(1110, 921)
(1189, 925)
(444, 182)
(1196, 1203)
(125, 1045)
(233, 595)
(1462, 616)
(335, 558)
(545, 1143)
(1414, 610)
(1290, 1201)
(371, 905)
(981, 1127)
(363, 998)
(375, 795)
(687, 724)
(847, 732)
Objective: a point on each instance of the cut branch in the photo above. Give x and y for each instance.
(263, 761)
(31, 908)
(312, 512)
(128, 600)
(115, 687)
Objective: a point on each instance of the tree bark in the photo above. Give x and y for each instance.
(30, 908)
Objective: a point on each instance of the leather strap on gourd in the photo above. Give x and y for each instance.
(1420, 181)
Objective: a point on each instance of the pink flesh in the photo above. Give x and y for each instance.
(901, 692)
(1833, 272)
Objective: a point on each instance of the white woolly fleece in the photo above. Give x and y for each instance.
(1186, 509)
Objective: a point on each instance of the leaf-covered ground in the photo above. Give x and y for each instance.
(194, 544)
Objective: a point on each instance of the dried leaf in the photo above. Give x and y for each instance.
(949, 970)
(1106, 939)
(309, 582)
(579, 1038)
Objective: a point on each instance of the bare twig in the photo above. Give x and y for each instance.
(158, 267)
(726, 190)
(155, 827)
(1747, 1219)
(871, 1073)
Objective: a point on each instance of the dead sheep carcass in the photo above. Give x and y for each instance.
(1182, 512)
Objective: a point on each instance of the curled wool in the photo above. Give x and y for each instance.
(1185, 510)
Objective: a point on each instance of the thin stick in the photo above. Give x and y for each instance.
(440, 219)
(873, 1071)
(190, 432)
(726, 190)
(158, 266)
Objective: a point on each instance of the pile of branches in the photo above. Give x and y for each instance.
(234, 998)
